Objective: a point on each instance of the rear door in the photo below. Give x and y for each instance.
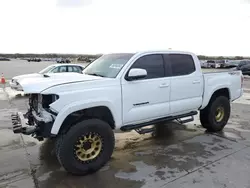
(186, 83)
(148, 98)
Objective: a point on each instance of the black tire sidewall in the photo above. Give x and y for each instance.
(213, 124)
(66, 150)
(204, 118)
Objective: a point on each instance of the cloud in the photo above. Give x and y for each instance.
(73, 3)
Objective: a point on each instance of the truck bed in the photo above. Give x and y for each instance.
(228, 78)
(206, 71)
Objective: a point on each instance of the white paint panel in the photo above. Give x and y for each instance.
(154, 92)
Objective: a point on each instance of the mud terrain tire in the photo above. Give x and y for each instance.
(86, 147)
(216, 115)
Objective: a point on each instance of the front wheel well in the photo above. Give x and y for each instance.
(100, 112)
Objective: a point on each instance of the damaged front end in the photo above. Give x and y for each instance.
(39, 119)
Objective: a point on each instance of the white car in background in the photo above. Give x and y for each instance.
(203, 64)
(212, 64)
(47, 72)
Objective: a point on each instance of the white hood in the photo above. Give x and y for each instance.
(33, 75)
(37, 85)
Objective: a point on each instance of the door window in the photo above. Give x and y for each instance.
(153, 64)
(59, 69)
(74, 69)
(181, 64)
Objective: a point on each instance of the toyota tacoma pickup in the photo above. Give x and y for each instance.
(123, 91)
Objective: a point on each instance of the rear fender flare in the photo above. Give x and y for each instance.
(208, 95)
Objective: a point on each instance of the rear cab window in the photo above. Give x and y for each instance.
(181, 64)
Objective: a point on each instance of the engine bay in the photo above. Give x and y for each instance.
(39, 109)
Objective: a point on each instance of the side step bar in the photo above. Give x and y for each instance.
(145, 130)
(138, 127)
(185, 120)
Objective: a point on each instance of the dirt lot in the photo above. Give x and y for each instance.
(181, 156)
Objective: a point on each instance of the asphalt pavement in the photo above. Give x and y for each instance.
(17, 67)
(175, 156)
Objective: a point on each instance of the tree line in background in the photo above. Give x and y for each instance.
(14, 56)
(202, 57)
(86, 57)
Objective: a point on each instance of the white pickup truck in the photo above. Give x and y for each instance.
(123, 92)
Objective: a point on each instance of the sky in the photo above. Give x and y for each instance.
(205, 27)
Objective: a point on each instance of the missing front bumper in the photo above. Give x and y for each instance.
(20, 126)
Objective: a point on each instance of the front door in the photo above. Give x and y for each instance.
(148, 98)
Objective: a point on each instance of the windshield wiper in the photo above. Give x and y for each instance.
(95, 74)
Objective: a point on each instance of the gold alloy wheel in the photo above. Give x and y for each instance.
(220, 113)
(88, 147)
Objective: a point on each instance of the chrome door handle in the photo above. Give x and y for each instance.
(196, 81)
(164, 85)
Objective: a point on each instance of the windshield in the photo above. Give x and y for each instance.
(107, 65)
(47, 69)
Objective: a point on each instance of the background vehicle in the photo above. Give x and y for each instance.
(203, 64)
(61, 60)
(212, 64)
(123, 92)
(65, 68)
(34, 59)
(231, 64)
(244, 66)
(4, 59)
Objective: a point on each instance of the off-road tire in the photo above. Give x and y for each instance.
(204, 118)
(58, 143)
(65, 147)
(208, 115)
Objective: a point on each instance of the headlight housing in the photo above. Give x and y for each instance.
(14, 80)
(48, 99)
